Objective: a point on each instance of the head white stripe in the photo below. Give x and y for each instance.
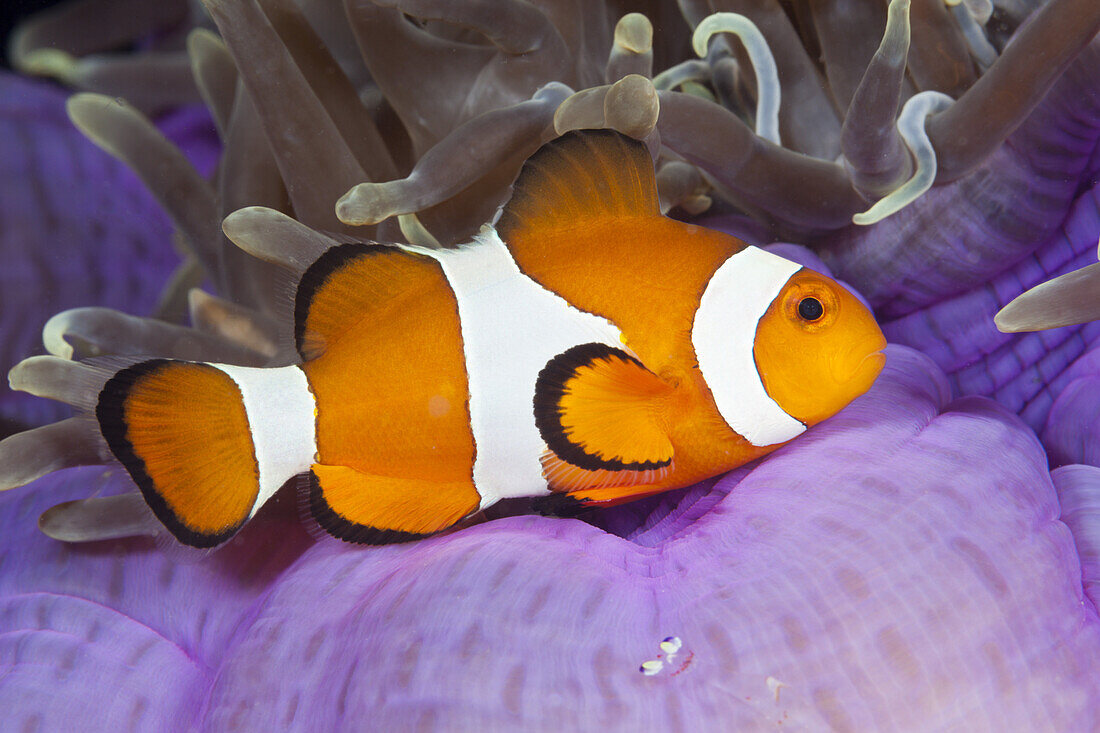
(280, 411)
(735, 299)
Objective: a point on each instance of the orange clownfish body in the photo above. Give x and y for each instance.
(586, 346)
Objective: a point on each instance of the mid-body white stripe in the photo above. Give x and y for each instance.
(723, 334)
(282, 418)
(511, 327)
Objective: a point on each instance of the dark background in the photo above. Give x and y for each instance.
(11, 11)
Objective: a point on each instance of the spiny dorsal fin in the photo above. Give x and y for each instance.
(584, 175)
(600, 409)
(351, 282)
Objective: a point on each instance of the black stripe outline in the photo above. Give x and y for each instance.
(315, 277)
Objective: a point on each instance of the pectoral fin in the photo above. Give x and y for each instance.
(601, 411)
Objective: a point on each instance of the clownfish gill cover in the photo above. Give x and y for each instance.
(584, 350)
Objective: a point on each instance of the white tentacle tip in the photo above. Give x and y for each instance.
(53, 335)
(763, 63)
(911, 127)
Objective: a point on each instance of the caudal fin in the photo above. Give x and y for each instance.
(181, 429)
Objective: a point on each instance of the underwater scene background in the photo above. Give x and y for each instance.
(925, 560)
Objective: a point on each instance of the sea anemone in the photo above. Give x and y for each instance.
(910, 561)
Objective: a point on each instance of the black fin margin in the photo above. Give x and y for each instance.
(559, 505)
(351, 532)
(549, 390)
(315, 277)
(111, 415)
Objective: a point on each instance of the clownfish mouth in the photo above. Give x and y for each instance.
(869, 368)
(866, 369)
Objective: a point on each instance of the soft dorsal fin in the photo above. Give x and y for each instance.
(599, 409)
(584, 175)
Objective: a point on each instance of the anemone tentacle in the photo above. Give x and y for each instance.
(1004, 210)
(870, 141)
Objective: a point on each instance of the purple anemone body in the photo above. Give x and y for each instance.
(871, 575)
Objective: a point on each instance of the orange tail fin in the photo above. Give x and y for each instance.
(182, 430)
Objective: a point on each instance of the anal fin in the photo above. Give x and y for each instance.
(608, 496)
(566, 504)
(376, 510)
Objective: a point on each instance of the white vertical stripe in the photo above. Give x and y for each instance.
(511, 327)
(281, 416)
(723, 334)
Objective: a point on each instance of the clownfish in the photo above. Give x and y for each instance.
(585, 348)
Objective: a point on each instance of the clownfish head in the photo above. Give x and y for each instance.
(782, 347)
(817, 347)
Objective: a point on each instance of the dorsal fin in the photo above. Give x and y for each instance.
(584, 175)
(351, 282)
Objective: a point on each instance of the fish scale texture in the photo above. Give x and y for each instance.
(871, 575)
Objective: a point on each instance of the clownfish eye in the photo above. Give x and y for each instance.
(810, 309)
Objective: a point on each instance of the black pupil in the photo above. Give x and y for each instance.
(810, 309)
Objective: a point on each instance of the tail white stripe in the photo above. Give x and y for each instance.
(282, 417)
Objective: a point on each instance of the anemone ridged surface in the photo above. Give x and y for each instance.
(1021, 371)
(938, 271)
(871, 575)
